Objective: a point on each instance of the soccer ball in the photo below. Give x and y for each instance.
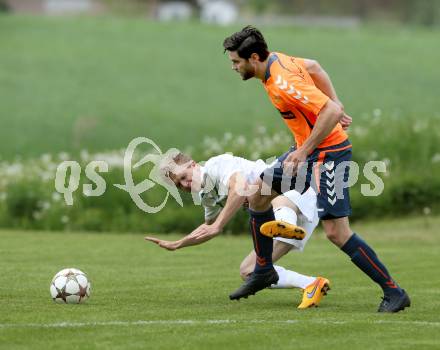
(70, 286)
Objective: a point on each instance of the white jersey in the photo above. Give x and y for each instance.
(217, 172)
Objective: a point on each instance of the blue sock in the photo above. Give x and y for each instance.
(364, 257)
(263, 245)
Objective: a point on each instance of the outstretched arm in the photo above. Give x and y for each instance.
(205, 232)
(187, 241)
(237, 189)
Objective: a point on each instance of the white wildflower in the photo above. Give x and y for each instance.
(37, 215)
(372, 155)
(64, 156)
(240, 140)
(387, 162)
(261, 129)
(113, 159)
(14, 170)
(85, 156)
(47, 176)
(56, 197)
(420, 126)
(227, 136)
(44, 205)
(435, 158)
(255, 155)
(360, 131)
(46, 158)
(377, 112)
(215, 146)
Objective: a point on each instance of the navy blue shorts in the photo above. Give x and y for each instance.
(326, 170)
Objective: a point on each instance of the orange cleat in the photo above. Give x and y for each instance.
(314, 292)
(283, 229)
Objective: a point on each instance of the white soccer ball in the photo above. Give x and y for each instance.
(70, 286)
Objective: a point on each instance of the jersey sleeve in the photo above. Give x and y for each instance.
(211, 212)
(296, 91)
(221, 169)
(212, 204)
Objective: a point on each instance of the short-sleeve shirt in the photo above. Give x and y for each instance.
(216, 173)
(293, 92)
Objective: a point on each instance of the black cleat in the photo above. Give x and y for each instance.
(255, 283)
(394, 303)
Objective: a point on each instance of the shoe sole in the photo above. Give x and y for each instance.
(401, 308)
(405, 304)
(325, 289)
(282, 229)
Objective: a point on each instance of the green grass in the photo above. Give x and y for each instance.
(144, 297)
(96, 83)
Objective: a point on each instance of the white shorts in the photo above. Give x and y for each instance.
(307, 205)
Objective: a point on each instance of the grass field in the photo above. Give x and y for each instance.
(147, 298)
(96, 83)
(74, 84)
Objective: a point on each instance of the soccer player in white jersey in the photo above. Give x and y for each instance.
(222, 177)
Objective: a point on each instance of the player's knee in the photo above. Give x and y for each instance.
(281, 201)
(332, 235)
(336, 233)
(284, 201)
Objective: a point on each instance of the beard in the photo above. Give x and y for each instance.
(248, 73)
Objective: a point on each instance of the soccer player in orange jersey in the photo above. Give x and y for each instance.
(306, 99)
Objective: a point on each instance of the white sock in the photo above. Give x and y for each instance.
(291, 279)
(286, 214)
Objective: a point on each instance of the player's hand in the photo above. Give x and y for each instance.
(204, 232)
(293, 161)
(345, 121)
(169, 245)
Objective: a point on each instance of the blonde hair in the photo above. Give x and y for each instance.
(171, 162)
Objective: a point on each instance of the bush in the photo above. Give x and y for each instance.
(28, 198)
(4, 7)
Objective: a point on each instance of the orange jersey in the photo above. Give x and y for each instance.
(293, 92)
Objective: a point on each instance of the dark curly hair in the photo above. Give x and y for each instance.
(247, 41)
